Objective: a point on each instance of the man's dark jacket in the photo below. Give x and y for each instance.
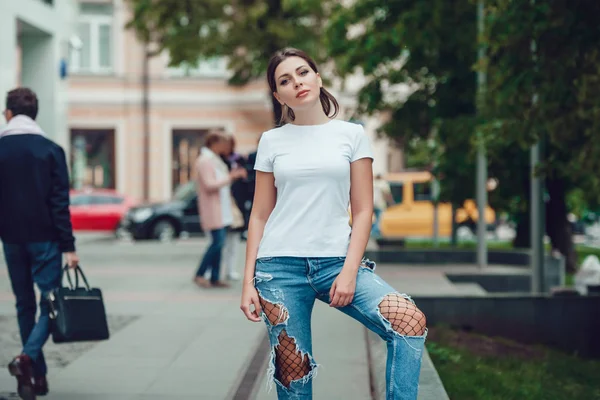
(34, 192)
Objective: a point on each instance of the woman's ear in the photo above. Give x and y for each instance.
(320, 80)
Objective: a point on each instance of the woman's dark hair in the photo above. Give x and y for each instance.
(22, 101)
(327, 99)
(215, 136)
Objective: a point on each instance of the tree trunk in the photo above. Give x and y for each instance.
(522, 239)
(454, 238)
(558, 227)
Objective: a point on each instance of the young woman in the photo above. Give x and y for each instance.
(300, 245)
(213, 182)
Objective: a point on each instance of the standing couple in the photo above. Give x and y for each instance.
(217, 168)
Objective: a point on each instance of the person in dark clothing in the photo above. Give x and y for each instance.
(243, 190)
(239, 192)
(239, 188)
(35, 228)
(250, 186)
(251, 178)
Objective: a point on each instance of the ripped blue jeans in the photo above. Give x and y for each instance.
(288, 288)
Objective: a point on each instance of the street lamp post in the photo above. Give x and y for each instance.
(537, 223)
(481, 156)
(537, 217)
(146, 123)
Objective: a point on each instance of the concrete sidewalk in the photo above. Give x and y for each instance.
(340, 345)
(172, 340)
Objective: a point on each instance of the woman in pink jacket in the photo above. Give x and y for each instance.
(213, 184)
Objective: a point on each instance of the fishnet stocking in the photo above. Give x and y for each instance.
(290, 365)
(276, 314)
(405, 317)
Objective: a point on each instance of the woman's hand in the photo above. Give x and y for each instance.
(342, 290)
(249, 298)
(238, 173)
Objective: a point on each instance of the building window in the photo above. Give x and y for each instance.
(397, 190)
(214, 67)
(186, 145)
(93, 158)
(95, 29)
(422, 191)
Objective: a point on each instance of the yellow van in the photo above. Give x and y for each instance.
(412, 213)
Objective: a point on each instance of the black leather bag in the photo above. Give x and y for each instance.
(77, 314)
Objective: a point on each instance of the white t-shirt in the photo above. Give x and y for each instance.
(311, 166)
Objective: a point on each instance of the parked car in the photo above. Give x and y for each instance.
(98, 209)
(165, 220)
(412, 213)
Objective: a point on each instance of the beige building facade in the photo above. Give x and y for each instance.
(34, 41)
(106, 116)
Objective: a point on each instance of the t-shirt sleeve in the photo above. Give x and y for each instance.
(362, 146)
(264, 158)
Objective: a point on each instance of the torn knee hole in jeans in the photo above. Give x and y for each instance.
(288, 363)
(403, 315)
(275, 313)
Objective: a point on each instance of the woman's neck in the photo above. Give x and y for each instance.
(311, 116)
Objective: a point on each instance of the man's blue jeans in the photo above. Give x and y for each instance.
(375, 231)
(212, 257)
(30, 263)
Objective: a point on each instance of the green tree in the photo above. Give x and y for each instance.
(431, 48)
(247, 32)
(548, 91)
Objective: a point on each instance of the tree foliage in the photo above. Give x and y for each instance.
(246, 32)
(419, 60)
(429, 48)
(562, 73)
(544, 85)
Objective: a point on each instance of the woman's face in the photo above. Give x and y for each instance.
(222, 147)
(298, 86)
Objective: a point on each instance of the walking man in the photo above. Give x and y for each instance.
(35, 228)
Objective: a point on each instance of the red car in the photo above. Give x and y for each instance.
(98, 209)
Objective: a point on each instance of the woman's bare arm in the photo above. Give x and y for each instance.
(265, 195)
(361, 204)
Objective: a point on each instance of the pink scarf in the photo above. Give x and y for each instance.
(20, 125)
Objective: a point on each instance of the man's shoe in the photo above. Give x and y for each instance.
(41, 386)
(202, 282)
(21, 367)
(220, 284)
